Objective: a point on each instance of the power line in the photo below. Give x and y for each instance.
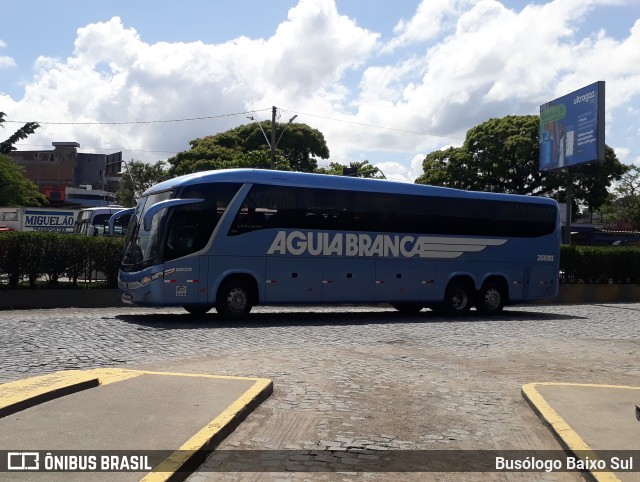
(372, 125)
(245, 113)
(165, 121)
(105, 149)
(219, 116)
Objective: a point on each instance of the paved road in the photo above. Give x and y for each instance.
(350, 377)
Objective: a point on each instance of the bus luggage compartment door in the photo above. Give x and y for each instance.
(401, 280)
(291, 279)
(348, 280)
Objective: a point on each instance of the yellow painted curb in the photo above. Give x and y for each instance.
(561, 428)
(209, 434)
(21, 394)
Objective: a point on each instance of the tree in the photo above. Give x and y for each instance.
(362, 168)
(7, 146)
(624, 202)
(15, 188)
(138, 178)
(246, 146)
(501, 155)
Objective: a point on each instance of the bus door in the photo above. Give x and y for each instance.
(290, 279)
(185, 273)
(348, 280)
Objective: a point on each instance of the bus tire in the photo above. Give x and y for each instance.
(197, 309)
(234, 299)
(491, 298)
(458, 298)
(408, 308)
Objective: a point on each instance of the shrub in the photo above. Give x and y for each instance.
(600, 264)
(34, 254)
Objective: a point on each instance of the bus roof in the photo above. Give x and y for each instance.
(104, 208)
(302, 179)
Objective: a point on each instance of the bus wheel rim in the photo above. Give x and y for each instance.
(459, 300)
(237, 300)
(492, 299)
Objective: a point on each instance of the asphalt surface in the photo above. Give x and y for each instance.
(359, 378)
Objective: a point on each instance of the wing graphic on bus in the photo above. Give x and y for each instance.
(449, 248)
(381, 245)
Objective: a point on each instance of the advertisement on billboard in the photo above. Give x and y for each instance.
(572, 128)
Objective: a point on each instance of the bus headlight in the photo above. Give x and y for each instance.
(148, 279)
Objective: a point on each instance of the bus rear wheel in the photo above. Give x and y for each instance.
(457, 298)
(234, 299)
(491, 298)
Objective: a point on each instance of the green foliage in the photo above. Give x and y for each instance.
(15, 188)
(25, 131)
(138, 178)
(246, 147)
(31, 255)
(77, 265)
(106, 252)
(364, 169)
(624, 202)
(501, 155)
(595, 264)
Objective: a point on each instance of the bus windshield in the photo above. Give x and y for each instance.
(95, 222)
(179, 230)
(142, 246)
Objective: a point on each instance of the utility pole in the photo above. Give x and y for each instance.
(272, 144)
(567, 230)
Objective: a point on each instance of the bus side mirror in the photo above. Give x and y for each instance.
(115, 216)
(156, 208)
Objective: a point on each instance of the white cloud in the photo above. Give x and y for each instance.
(5, 60)
(430, 20)
(454, 64)
(494, 62)
(113, 75)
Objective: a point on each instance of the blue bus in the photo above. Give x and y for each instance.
(233, 239)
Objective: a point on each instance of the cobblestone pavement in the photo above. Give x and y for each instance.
(352, 378)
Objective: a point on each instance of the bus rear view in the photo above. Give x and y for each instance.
(234, 239)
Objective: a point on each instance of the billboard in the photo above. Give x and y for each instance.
(572, 128)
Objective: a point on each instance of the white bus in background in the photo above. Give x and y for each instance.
(47, 219)
(95, 221)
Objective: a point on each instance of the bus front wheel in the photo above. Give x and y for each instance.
(457, 298)
(234, 299)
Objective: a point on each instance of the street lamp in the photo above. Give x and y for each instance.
(263, 132)
(133, 184)
(285, 128)
(273, 144)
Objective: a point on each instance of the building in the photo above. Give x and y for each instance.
(66, 176)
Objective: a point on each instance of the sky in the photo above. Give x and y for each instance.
(387, 82)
